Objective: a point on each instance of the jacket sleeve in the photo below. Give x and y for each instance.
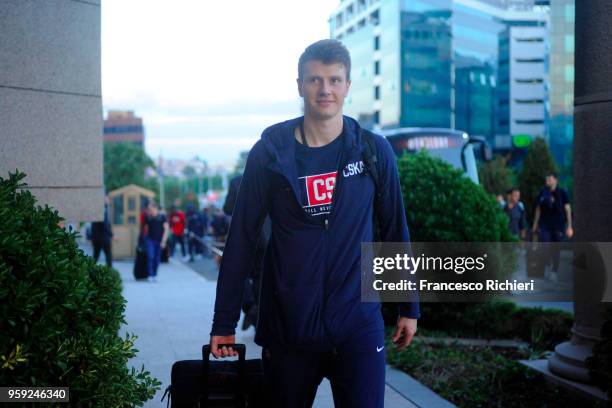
(392, 214)
(249, 212)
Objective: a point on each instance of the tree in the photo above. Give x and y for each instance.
(125, 163)
(495, 176)
(189, 172)
(538, 163)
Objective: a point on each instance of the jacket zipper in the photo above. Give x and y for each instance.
(326, 227)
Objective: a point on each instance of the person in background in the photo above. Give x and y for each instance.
(101, 236)
(203, 249)
(500, 200)
(515, 210)
(155, 235)
(177, 225)
(196, 227)
(553, 216)
(219, 226)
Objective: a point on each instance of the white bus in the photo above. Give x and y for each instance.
(453, 146)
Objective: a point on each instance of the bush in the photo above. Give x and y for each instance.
(442, 205)
(60, 313)
(479, 376)
(542, 329)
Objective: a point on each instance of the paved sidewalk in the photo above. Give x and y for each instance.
(172, 319)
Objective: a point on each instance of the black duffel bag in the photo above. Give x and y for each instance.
(205, 383)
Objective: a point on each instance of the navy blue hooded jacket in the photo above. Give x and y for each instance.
(311, 287)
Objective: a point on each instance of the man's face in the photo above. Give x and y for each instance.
(153, 210)
(515, 196)
(323, 87)
(551, 182)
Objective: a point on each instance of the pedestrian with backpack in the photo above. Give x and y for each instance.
(515, 210)
(322, 180)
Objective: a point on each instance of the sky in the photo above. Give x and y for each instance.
(206, 76)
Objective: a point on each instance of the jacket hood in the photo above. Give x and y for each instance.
(279, 143)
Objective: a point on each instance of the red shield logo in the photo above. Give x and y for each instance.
(320, 188)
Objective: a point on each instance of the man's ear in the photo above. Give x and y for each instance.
(299, 85)
(348, 85)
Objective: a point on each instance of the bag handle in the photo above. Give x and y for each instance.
(241, 349)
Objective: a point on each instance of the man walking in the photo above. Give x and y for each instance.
(553, 216)
(308, 175)
(515, 210)
(155, 236)
(177, 225)
(101, 236)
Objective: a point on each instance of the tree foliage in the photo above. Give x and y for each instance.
(60, 313)
(495, 176)
(538, 162)
(125, 163)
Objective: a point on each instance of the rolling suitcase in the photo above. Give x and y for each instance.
(165, 255)
(205, 383)
(140, 264)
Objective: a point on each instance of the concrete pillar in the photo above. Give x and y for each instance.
(592, 168)
(51, 102)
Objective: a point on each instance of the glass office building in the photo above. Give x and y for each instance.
(423, 63)
(561, 87)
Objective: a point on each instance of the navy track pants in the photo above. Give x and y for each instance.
(356, 373)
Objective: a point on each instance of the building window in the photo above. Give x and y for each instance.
(361, 23)
(377, 93)
(377, 43)
(376, 67)
(339, 20)
(529, 101)
(529, 121)
(361, 4)
(568, 101)
(529, 60)
(570, 13)
(376, 117)
(530, 40)
(569, 43)
(349, 12)
(350, 30)
(374, 18)
(569, 73)
(529, 80)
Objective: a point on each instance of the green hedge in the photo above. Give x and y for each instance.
(60, 313)
(541, 328)
(480, 376)
(442, 205)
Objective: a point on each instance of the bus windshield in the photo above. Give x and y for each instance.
(446, 144)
